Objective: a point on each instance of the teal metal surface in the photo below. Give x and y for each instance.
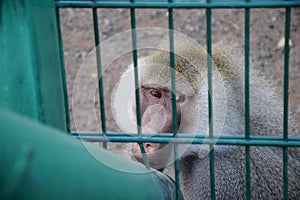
(31, 76)
(46, 55)
(18, 79)
(39, 162)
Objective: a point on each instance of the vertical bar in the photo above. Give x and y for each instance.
(136, 82)
(247, 100)
(174, 113)
(210, 105)
(135, 65)
(99, 69)
(247, 86)
(286, 72)
(286, 101)
(172, 65)
(61, 54)
(285, 174)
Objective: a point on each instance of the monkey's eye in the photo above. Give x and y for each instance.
(156, 94)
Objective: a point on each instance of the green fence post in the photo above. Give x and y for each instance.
(31, 78)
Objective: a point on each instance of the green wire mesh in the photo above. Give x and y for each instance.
(245, 140)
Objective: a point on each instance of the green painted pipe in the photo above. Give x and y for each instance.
(38, 162)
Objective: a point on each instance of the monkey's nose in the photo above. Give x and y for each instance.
(154, 119)
(148, 147)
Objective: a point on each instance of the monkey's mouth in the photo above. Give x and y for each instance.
(138, 157)
(156, 165)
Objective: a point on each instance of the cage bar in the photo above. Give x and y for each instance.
(210, 104)
(136, 82)
(286, 101)
(99, 71)
(193, 139)
(63, 71)
(135, 65)
(177, 4)
(174, 109)
(247, 100)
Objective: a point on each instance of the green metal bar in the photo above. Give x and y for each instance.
(99, 70)
(172, 70)
(39, 162)
(62, 63)
(188, 135)
(247, 80)
(247, 100)
(210, 105)
(196, 139)
(285, 174)
(248, 175)
(135, 65)
(144, 155)
(174, 109)
(209, 72)
(286, 101)
(185, 5)
(136, 82)
(286, 73)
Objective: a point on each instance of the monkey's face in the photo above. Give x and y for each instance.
(156, 111)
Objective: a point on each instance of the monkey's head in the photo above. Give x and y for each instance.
(156, 99)
(156, 103)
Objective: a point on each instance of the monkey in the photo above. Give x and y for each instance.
(227, 96)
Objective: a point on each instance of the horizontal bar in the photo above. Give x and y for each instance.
(193, 139)
(164, 4)
(184, 135)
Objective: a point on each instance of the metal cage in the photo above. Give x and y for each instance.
(57, 113)
(247, 140)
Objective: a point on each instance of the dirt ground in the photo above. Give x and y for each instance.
(267, 30)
